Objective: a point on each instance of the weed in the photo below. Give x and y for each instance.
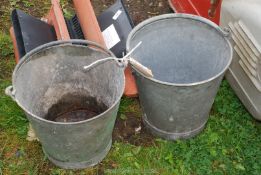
(27, 3)
(67, 8)
(11, 116)
(127, 105)
(14, 3)
(6, 57)
(6, 68)
(6, 46)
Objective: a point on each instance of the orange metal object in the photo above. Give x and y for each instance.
(130, 84)
(88, 21)
(55, 18)
(92, 32)
(14, 44)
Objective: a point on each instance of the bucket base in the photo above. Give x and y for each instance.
(169, 135)
(81, 165)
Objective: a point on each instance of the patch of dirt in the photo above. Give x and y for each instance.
(139, 10)
(33, 7)
(131, 130)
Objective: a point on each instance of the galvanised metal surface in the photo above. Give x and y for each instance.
(52, 71)
(188, 56)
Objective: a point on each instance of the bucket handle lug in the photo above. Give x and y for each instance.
(10, 92)
(226, 32)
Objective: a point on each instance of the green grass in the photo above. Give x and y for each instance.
(230, 143)
(34, 7)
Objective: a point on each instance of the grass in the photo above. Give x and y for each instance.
(230, 143)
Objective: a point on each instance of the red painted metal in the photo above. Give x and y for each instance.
(55, 18)
(17, 56)
(209, 9)
(131, 89)
(88, 21)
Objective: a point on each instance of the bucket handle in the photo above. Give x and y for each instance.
(226, 32)
(123, 62)
(10, 92)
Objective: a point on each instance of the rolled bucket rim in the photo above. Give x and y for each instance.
(149, 21)
(62, 43)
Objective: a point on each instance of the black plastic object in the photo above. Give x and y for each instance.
(30, 32)
(74, 28)
(118, 16)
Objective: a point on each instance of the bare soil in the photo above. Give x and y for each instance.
(139, 10)
(132, 131)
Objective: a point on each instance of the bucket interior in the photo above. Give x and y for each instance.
(181, 50)
(53, 84)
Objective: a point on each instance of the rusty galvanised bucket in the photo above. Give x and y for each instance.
(188, 56)
(72, 110)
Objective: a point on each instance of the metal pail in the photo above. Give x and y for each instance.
(188, 56)
(72, 110)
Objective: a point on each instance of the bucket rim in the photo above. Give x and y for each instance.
(75, 42)
(225, 34)
(80, 43)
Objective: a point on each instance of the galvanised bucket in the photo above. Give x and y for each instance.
(72, 110)
(188, 56)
